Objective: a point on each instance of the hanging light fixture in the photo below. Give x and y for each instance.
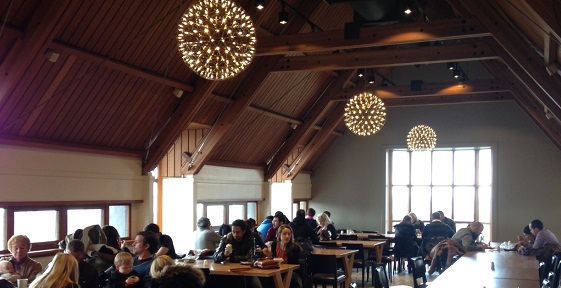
(421, 138)
(216, 39)
(365, 114)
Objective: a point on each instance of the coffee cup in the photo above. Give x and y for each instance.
(22, 283)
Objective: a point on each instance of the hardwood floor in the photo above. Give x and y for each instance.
(403, 278)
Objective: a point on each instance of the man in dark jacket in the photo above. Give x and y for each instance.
(88, 273)
(435, 230)
(302, 232)
(238, 246)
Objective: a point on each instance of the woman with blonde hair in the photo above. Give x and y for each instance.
(417, 223)
(62, 272)
(325, 229)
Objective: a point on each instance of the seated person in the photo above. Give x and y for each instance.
(166, 243)
(165, 274)
(284, 247)
(235, 247)
(258, 240)
(123, 275)
(526, 239)
(467, 236)
(543, 237)
(205, 238)
(8, 272)
(434, 230)
(325, 230)
(88, 274)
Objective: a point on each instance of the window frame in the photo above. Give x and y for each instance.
(477, 186)
(226, 214)
(61, 208)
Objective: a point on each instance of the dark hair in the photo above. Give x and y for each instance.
(249, 224)
(536, 223)
(270, 217)
(151, 240)
(281, 217)
(240, 223)
(406, 219)
(441, 213)
(112, 236)
(435, 215)
(252, 221)
(224, 229)
(526, 230)
(76, 246)
(301, 213)
(312, 212)
(278, 237)
(328, 213)
(152, 228)
(203, 222)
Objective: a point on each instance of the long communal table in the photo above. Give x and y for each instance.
(237, 269)
(490, 269)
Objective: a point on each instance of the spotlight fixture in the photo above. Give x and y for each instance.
(260, 4)
(407, 11)
(283, 15)
(456, 73)
(421, 138)
(216, 39)
(450, 65)
(360, 72)
(365, 114)
(371, 79)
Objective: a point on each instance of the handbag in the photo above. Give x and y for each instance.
(266, 264)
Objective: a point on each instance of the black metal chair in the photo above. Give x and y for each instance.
(419, 271)
(361, 260)
(381, 279)
(324, 271)
(387, 255)
(404, 249)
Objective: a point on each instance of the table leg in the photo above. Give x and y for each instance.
(379, 253)
(277, 277)
(348, 268)
(287, 278)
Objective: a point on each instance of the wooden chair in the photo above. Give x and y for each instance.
(361, 260)
(324, 271)
(419, 271)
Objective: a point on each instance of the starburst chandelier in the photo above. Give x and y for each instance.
(365, 114)
(421, 138)
(216, 39)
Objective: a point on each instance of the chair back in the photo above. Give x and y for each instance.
(419, 271)
(381, 277)
(330, 244)
(325, 264)
(405, 247)
(556, 269)
(348, 237)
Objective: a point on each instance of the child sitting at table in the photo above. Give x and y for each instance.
(8, 272)
(123, 275)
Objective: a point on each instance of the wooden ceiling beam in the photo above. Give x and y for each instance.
(449, 99)
(528, 102)
(427, 89)
(120, 66)
(252, 78)
(522, 55)
(478, 50)
(44, 25)
(374, 36)
(316, 143)
(178, 121)
(321, 106)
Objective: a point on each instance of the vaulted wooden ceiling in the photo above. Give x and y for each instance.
(102, 76)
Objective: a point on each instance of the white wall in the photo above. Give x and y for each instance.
(28, 174)
(349, 180)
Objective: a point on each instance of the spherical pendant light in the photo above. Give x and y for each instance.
(365, 114)
(421, 138)
(216, 39)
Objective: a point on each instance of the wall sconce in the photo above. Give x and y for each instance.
(260, 4)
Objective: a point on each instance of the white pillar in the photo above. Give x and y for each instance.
(178, 211)
(280, 197)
